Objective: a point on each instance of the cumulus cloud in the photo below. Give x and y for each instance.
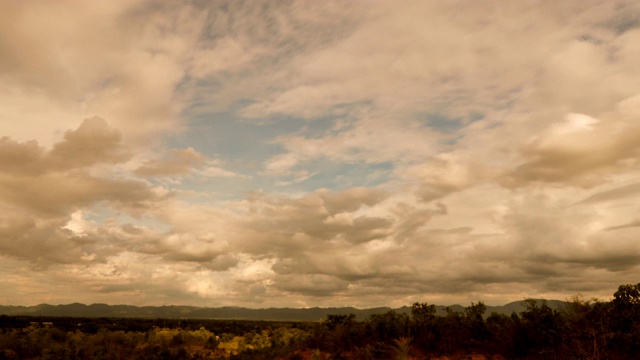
(93, 142)
(41, 189)
(319, 217)
(18, 157)
(583, 148)
(579, 242)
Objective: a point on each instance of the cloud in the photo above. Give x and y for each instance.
(323, 216)
(582, 148)
(80, 59)
(182, 247)
(93, 142)
(310, 285)
(24, 237)
(245, 51)
(595, 249)
(463, 65)
(368, 141)
(58, 194)
(177, 162)
(632, 224)
(621, 192)
(218, 172)
(44, 190)
(392, 63)
(60, 180)
(18, 157)
(317, 154)
(176, 165)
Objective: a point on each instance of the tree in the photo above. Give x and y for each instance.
(588, 327)
(423, 313)
(626, 306)
(626, 318)
(334, 321)
(423, 317)
(388, 326)
(543, 327)
(502, 332)
(475, 323)
(450, 331)
(343, 332)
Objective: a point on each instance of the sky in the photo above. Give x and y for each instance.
(318, 153)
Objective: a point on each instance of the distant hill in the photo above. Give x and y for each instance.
(229, 312)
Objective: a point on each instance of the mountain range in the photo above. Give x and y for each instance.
(235, 313)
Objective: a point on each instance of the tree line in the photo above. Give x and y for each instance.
(583, 329)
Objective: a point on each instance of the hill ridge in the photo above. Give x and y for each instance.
(235, 312)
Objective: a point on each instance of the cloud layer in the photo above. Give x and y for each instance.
(318, 154)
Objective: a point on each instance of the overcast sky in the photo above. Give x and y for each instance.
(318, 153)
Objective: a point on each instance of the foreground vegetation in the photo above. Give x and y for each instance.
(585, 329)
